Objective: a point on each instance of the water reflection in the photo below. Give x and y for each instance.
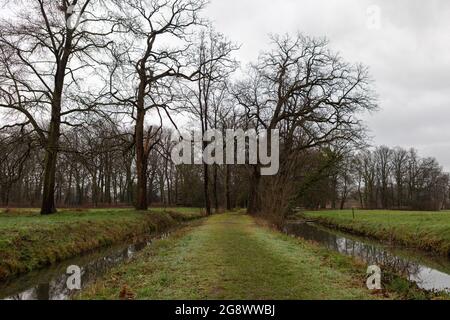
(430, 273)
(50, 284)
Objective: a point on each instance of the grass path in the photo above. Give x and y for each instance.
(231, 257)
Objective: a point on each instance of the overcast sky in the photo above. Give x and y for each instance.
(407, 50)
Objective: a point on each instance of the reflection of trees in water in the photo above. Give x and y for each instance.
(57, 289)
(378, 256)
(26, 295)
(368, 253)
(54, 287)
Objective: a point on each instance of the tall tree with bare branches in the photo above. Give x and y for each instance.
(45, 51)
(307, 92)
(152, 55)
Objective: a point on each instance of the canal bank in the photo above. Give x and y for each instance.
(427, 231)
(30, 242)
(429, 272)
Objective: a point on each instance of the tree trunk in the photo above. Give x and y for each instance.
(95, 188)
(68, 199)
(51, 156)
(216, 196)
(129, 185)
(141, 166)
(161, 190)
(254, 200)
(343, 200)
(206, 189)
(227, 187)
(150, 189)
(334, 192)
(108, 179)
(78, 195)
(360, 195)
(141, 157)
(169, 184)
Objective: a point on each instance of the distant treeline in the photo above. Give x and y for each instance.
(382, 178)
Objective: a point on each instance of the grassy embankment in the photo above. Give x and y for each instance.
(231, 257)
(423, 230)
(29, 241)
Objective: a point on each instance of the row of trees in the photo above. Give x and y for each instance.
(92, 93)
(379, 178)
(97, 168)
(396, 178)
(101, 172)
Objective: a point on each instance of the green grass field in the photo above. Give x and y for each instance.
(30, 241)
(424, 230)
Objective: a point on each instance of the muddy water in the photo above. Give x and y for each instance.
(51, 283)
(429, 272)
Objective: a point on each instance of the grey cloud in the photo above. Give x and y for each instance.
(409, 56)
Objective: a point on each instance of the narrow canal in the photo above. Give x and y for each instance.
(430, 272)
(51, 283)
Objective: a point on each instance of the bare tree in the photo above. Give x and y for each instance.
(383, 157)
(212, 56)
(309, 93)
(44, 52)
(399, 167)
(145, 67)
